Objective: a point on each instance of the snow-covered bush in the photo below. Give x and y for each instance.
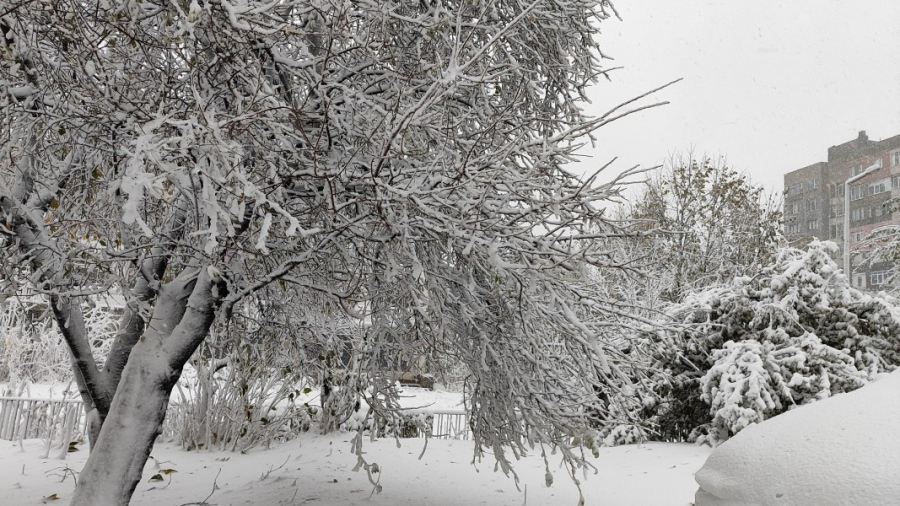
(740, 353)
(282, 364)
(238, 407)
(620, 422)
(389, 423)
(625, 434)
(31, 348)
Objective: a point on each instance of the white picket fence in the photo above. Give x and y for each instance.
(449, 425)
(27, 418)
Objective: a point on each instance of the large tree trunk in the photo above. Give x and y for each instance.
(138, 409)
(117, 460)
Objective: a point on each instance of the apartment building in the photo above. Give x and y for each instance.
(814, 200)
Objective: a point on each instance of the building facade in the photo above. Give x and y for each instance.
(814, 201)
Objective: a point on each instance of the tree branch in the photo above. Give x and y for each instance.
(132, 324)
(208, 291)
(71, 325)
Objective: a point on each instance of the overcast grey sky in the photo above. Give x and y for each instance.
(769, 84)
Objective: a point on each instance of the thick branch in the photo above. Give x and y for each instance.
(171, 304)
(71, 325)
(132, 324)
(206, 296)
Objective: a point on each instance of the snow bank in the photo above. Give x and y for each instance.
(843, 450)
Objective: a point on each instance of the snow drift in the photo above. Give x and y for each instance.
(843, 450)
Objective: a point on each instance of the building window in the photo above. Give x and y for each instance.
(856, 192)
(840, 190)
(878, 277)
(877, 187)
(793, 229)
(812, 184)
(812, 225)
(857, 236)
(856, 170)
(856, 214)
(895, 158)
(792, 208)
(895, 180)
(795, 189)
(812, 205)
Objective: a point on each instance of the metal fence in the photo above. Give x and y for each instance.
(27, 418)
(450, 425)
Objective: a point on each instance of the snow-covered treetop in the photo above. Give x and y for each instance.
(284, 128)
(803, 291)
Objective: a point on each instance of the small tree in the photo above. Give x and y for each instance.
(795, 333)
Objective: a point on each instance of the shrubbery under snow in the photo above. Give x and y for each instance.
(795, 333)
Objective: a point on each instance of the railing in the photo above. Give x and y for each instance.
(27, 418)
(450, 425)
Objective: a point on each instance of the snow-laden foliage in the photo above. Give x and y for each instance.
(31, 349)
(880, 250)
(405, 161)
(795, 333)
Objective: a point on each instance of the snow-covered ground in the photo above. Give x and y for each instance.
(30, 390)
(316, 469)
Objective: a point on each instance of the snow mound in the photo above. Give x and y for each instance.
(842, 450)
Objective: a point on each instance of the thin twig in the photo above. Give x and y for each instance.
(205, 502)
(271, 469)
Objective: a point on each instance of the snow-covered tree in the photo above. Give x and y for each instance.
(713, 223)
(404, 160)
(880, 250)
(794, 333)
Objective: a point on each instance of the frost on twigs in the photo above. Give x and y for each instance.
(399, 164)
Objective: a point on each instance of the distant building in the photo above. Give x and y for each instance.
(814, 199)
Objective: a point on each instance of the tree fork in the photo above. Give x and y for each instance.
(139, 407)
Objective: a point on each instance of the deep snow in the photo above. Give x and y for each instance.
(844, 450)
(315, 469)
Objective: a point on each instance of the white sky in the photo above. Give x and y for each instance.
(769, 84)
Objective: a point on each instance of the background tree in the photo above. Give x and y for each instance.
(402, 159)
(713, 223)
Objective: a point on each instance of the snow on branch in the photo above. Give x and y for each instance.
(405, 161)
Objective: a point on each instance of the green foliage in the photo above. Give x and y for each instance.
(743, 352)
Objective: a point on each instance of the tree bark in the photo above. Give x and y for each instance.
(116, 464)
